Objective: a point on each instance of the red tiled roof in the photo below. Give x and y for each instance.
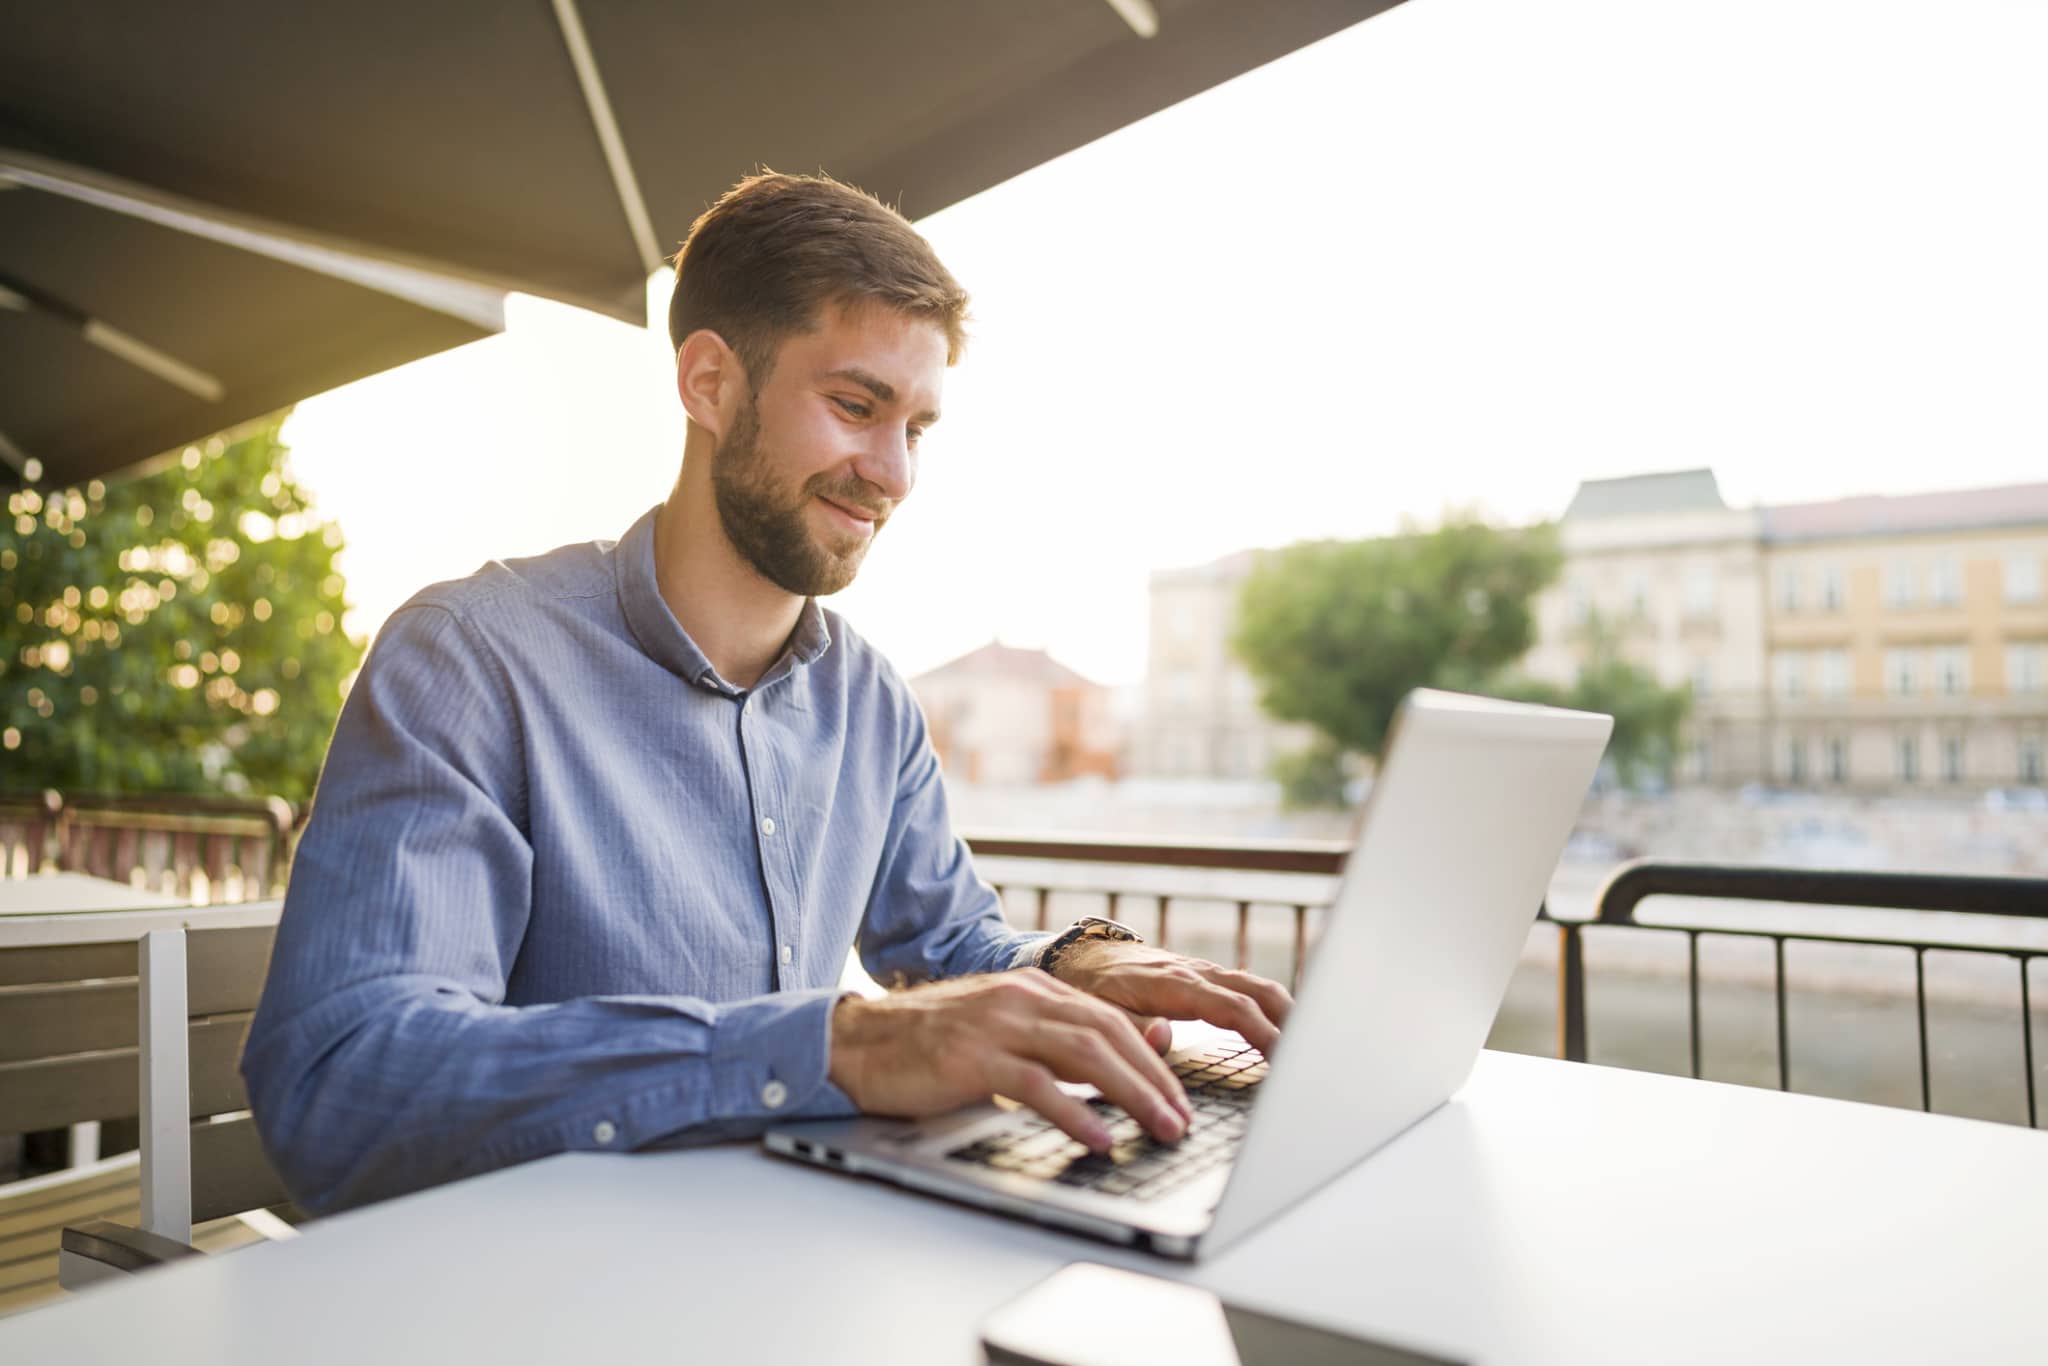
(997, 660)
(1874, 515)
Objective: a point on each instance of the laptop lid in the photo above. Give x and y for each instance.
(1455, 848)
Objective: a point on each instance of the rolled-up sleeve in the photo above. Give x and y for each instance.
(382, 1058)
(930, 915)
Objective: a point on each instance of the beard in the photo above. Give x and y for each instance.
(768, 523)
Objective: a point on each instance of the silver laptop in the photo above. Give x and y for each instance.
(1455, 848)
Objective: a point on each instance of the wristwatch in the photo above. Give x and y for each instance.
(1087, 927)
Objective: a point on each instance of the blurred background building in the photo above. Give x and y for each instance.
(1201, 716)
(1873, 643)
(1002, 715)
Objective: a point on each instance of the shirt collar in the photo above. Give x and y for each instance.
(663, 637)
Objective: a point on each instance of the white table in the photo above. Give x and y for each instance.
(75, 908)
(1552, 1212)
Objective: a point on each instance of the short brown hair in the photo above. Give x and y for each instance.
(764, 262)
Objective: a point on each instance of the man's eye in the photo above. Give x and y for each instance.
(856, 409)
(916, 435)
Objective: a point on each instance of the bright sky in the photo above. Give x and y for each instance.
(1462, 255)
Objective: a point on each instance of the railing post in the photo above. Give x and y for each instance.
(1300, 948)
(1571, 993)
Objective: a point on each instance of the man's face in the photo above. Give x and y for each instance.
(819, 458)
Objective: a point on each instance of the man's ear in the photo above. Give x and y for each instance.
(709, 380)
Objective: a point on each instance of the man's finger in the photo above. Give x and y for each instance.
(1080, 1053)
(1228, 1009)
(1275, 1000)
(1032, 1084)
(1122, 1030)
(1156, 1030)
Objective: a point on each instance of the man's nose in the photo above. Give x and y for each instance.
(887, 462)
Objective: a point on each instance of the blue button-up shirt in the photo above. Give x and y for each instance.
(565, 887)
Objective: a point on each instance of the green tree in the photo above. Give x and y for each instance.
(1647, 715)
(174, 632)
(1312, 776)
(1336, 632)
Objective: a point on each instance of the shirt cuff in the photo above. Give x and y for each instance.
(1029, 946)
(771, 1058)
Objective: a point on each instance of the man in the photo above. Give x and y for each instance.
(598, 828)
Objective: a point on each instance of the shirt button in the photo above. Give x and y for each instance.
(767, 825)
(773, 1094)
(787, 955)
(604, 1133)
(747, 707)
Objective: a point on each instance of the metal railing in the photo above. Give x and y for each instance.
(1615, 907)
(1315, 858)
(210, 848)
(1633, 883)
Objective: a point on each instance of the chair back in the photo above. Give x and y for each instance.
(67, 1034)
(81, 1024)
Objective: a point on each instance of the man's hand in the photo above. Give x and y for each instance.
(1149, 981)
(937, 1047)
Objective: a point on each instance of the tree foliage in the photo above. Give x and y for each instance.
(1335, 633)
(1310, 777)
(1647, 715)
(179, 632)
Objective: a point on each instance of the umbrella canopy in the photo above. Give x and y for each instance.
(563, 147)
(131, 325)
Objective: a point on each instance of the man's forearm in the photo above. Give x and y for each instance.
(397, 1084)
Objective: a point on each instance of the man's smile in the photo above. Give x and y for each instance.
(860, 521)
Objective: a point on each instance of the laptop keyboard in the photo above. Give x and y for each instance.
(1221, 1084)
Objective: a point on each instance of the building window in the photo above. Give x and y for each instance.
(1838, 759)
(1795, 761)
(1909, 759)
(1639, 594)
(1951, 758)
(2025, 665)
(1702, 677)
(2023, 577)
(1951, 671)
(1788, 588)
(1699, 591)
(1834, 673)
(1945, 582)
(1789, 671)
(1898, 672)
(1702, 759)
(2030, 760)
(1834, 593)
(1898, 583)
(1581, 600)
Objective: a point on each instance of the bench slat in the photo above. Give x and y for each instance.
(49, 1093)
(56, 1020)
(229, 1171)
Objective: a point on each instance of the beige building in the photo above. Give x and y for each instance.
(1871, 643)
(1003, 715)
(1201, 714)
(1677, 577)
(1908, 640)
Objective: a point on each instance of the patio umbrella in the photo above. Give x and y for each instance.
(562, 147)
(131, 325)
